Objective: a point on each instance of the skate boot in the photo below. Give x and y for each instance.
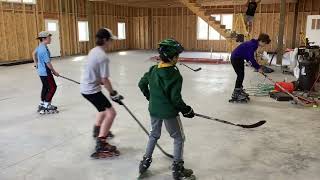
(180, 173)
(238, 97)
(104, 150)
(42, 110)
(145, 164)
(40, 107)
(245, 94)
(50, 106)
(52, 109)
(96, 130)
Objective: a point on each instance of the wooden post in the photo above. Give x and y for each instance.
(90, 24)
(3, 30)
(281, 31)
(295, 24)
(61, 28)
(26, 29)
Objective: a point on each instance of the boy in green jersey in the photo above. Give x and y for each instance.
(162, 85)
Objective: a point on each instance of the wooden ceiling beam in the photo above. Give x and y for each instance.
(176, 3)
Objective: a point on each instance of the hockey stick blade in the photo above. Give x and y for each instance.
(260, 123)
(195, 70)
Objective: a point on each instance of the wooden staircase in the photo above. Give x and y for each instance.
(206, 16)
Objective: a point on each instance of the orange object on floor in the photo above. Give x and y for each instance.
(286, 85)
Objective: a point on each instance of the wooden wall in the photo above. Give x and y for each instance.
(151, 25)
(139, 32)
(146, 27)
(20, 24)
(267, 20)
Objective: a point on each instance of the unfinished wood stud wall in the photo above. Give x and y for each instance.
(146, 27)
(20, 24)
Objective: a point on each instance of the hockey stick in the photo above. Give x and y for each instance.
(134, 117)
(195, 70)
(260, 123)
(69, 79)
(296, 99)
(145, 130)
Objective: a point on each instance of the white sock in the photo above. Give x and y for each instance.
(46, 104)
(41, 102)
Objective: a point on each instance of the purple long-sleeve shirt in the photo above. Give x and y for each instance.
(245, 51)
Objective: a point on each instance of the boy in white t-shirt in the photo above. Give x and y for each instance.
(96, 73)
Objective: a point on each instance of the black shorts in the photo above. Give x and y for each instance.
(98, 100)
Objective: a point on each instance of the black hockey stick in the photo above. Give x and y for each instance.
(145, 130)
(195, 70)
(260, 123)
(69, 79)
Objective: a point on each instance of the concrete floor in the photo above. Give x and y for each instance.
(57, 147)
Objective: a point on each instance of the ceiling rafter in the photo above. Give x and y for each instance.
(176, 3)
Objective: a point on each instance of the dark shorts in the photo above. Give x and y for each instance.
(249, 18)
(98, 100)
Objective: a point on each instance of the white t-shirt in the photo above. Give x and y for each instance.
(96, 68)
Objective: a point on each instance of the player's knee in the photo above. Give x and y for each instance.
(178, 136)
(155, 135)
(111, 113)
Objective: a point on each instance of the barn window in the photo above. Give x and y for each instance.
(121, 30)
(206, 32)
(21, 1)
(314, 22)
(202, 33)
(83, 31)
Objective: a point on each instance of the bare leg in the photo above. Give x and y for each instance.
(250, 27)
(109, 115)
(100, 117)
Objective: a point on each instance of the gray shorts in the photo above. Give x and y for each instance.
(249, 18)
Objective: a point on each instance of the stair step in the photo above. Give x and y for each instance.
(195, 5)
(205, 14)
(212, 18)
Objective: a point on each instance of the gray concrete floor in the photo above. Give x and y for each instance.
(57, 147)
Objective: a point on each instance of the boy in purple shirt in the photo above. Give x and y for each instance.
(245, 51)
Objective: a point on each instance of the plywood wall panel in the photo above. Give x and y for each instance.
(18, 43)
(146, 27)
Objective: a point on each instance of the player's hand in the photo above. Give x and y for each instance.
(56, 73)
(189, 113)
(116, 97)
(261, 71)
